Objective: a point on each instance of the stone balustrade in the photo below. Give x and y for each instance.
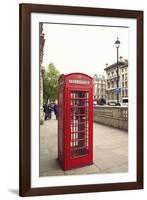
(112, 116)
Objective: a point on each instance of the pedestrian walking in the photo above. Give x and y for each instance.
(56, 110)
(47, 111)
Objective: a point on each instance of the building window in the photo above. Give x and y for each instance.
(123, 77)
(122, 93)
(112, 83)
(126, 93)
(111, 96)
(126, 77)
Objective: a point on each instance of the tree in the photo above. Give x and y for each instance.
(50, 83)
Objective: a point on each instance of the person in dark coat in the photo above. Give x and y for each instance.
(47, 111)
(56, 110)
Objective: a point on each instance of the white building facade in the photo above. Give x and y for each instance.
(99, 83)
(124, 82)
(111, 82)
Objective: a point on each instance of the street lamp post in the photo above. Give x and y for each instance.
(117, 44)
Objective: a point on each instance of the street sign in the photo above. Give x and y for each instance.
(117, 90)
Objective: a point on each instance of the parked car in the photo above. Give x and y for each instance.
(101, 101)
(113, 103)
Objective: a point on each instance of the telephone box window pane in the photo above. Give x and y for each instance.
(79, 123)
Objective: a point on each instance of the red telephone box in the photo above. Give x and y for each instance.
(75, 122)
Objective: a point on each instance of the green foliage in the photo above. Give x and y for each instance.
(50, 83)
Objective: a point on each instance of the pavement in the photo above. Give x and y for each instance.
(110, 151)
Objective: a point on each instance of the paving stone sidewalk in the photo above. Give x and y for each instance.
(110, 151)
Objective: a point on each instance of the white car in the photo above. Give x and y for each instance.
(94, 103)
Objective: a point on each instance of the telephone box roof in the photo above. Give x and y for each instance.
(75, 73)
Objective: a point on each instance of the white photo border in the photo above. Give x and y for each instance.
(131, 176)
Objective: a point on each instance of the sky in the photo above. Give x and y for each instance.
(85, 49)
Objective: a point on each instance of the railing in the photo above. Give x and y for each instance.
(112, 116)
(124, 113)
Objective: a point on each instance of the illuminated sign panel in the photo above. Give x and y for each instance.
(79, 81)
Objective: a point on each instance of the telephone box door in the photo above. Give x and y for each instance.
(80, 128)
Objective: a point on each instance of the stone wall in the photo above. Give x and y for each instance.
(112, 116)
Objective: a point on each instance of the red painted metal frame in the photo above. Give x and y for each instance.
(71, 142)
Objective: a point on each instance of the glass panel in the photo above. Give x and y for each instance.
(79, 123)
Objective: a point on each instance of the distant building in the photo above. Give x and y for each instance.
(111, 81)
(124, 82)
(42, 69)
(99, 83)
